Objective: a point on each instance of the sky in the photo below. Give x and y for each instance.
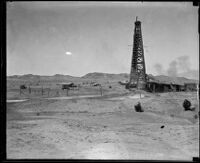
(76, 38)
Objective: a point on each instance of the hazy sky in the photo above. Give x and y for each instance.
(98, 35)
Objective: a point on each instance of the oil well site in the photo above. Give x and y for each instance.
(123, 116)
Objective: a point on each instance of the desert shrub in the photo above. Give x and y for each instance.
(186, 104)
(138, 108)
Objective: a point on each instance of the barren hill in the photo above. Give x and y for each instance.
(96, 76)
(107, 76)
(58, 77)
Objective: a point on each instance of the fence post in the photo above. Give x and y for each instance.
(67, 91)
(197, 91)
(100, 89)
(48, 92)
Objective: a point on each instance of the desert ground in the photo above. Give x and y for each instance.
(86, 125)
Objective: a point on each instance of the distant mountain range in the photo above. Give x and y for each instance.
(41, 77)
(100, 76)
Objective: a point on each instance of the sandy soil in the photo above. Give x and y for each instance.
(104, 128)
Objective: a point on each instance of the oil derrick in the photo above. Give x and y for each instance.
(138, 71)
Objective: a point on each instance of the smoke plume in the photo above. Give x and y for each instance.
(180, 67)
(172, 70)
(184, 63)
(159, 69)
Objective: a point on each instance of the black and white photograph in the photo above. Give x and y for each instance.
(102, 80)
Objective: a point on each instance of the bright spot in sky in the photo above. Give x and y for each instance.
(68, 53)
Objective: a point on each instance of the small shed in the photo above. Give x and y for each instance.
(67, 85)
(23, 86)
(123, 82)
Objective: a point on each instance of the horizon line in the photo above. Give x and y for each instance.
(101, 73)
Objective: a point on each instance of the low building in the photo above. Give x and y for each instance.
(155, 85)
(164, 87)
(191, 86)
(123, 82)
(67, 85)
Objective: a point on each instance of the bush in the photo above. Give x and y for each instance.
(186, 104)
(138, 108)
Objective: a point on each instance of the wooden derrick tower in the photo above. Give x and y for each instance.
(138, 71)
